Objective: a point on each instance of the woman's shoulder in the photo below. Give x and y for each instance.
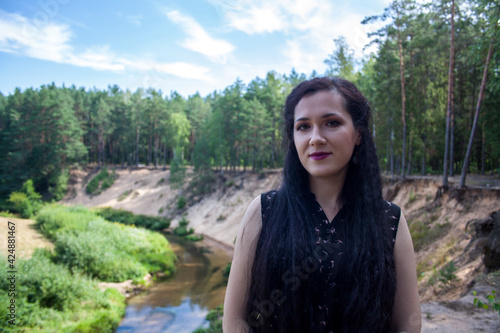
(392, 215)
(391, 210)
(266, 201)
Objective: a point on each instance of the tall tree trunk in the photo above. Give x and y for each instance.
(403, 95)
(483, 146)
(137, 146)
(392, 153)
(156, 152)
(164, 156)
(452, 135)
(408, 172)
(149, 150)
(476, 116)
(450, 95)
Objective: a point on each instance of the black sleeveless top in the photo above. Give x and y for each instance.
(328, 310)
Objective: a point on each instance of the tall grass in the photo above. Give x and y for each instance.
(50, 298)
(112, 252)
(156, 223)
(102, 181)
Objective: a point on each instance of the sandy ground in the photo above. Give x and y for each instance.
(27, 236)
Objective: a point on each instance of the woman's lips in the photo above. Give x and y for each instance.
(319, 155)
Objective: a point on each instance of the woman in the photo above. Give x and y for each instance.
(324, 253)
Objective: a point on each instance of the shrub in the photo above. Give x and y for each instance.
(447, 274)
(49, 298)
(182, 230)
(181, 202)
(109, 251)
(103, 180)
(27, 202)
(155, 223)
(493, 302)
(58, 184)
(194, 238)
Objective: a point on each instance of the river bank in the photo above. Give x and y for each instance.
(438, 220)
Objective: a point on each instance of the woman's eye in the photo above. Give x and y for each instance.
(332, 123)
(302, 127)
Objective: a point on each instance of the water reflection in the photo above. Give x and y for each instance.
(181, 303)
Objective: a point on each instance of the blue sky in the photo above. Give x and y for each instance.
(185, 46)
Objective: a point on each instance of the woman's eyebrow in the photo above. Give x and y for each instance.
(326, 115)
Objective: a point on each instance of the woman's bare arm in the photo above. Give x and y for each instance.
(406, 313)
(234, 320)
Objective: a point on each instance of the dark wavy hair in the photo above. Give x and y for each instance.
(279, 303)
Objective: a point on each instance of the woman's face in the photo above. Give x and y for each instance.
(324, 135)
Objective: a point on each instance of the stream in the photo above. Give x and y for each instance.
(180, 303)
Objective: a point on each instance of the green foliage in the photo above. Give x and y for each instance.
(412, 197)
(155, 223)
(215, 321)
(202, 182)
(423, 234)
(181, 202)
(226, 271)
(182, 230)
(493, 302)
(102, 181)
(124, 195)
(27, 202)
(177, 172)
(445, 276)
(194, 238)
(7, 214)
(58, 184)
(113, 252)
(49, 298)
(45, 130)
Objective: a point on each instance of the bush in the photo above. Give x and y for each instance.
(102, 181)
(155, 223)
(58, 184)
(27, 202)
(194, 238)
(182, 230)
(181, 202)
(112, 252)
(493, 302)
(49, 298)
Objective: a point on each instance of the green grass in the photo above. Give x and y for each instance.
(423, 234)
(58, 291)
(102, 181)
(50, 298)
(113, 252)
(155, 223)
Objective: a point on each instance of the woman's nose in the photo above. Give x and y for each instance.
(317, 138)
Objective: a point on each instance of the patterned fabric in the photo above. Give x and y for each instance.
(328, 306)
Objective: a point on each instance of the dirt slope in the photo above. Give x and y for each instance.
(218, 215)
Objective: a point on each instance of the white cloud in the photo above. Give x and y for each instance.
(51, 42)
(199, 40)
(308, 27)
(135, 20)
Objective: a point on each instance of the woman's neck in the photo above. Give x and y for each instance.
(327, 193)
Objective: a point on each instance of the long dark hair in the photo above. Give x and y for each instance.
(281, 295)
